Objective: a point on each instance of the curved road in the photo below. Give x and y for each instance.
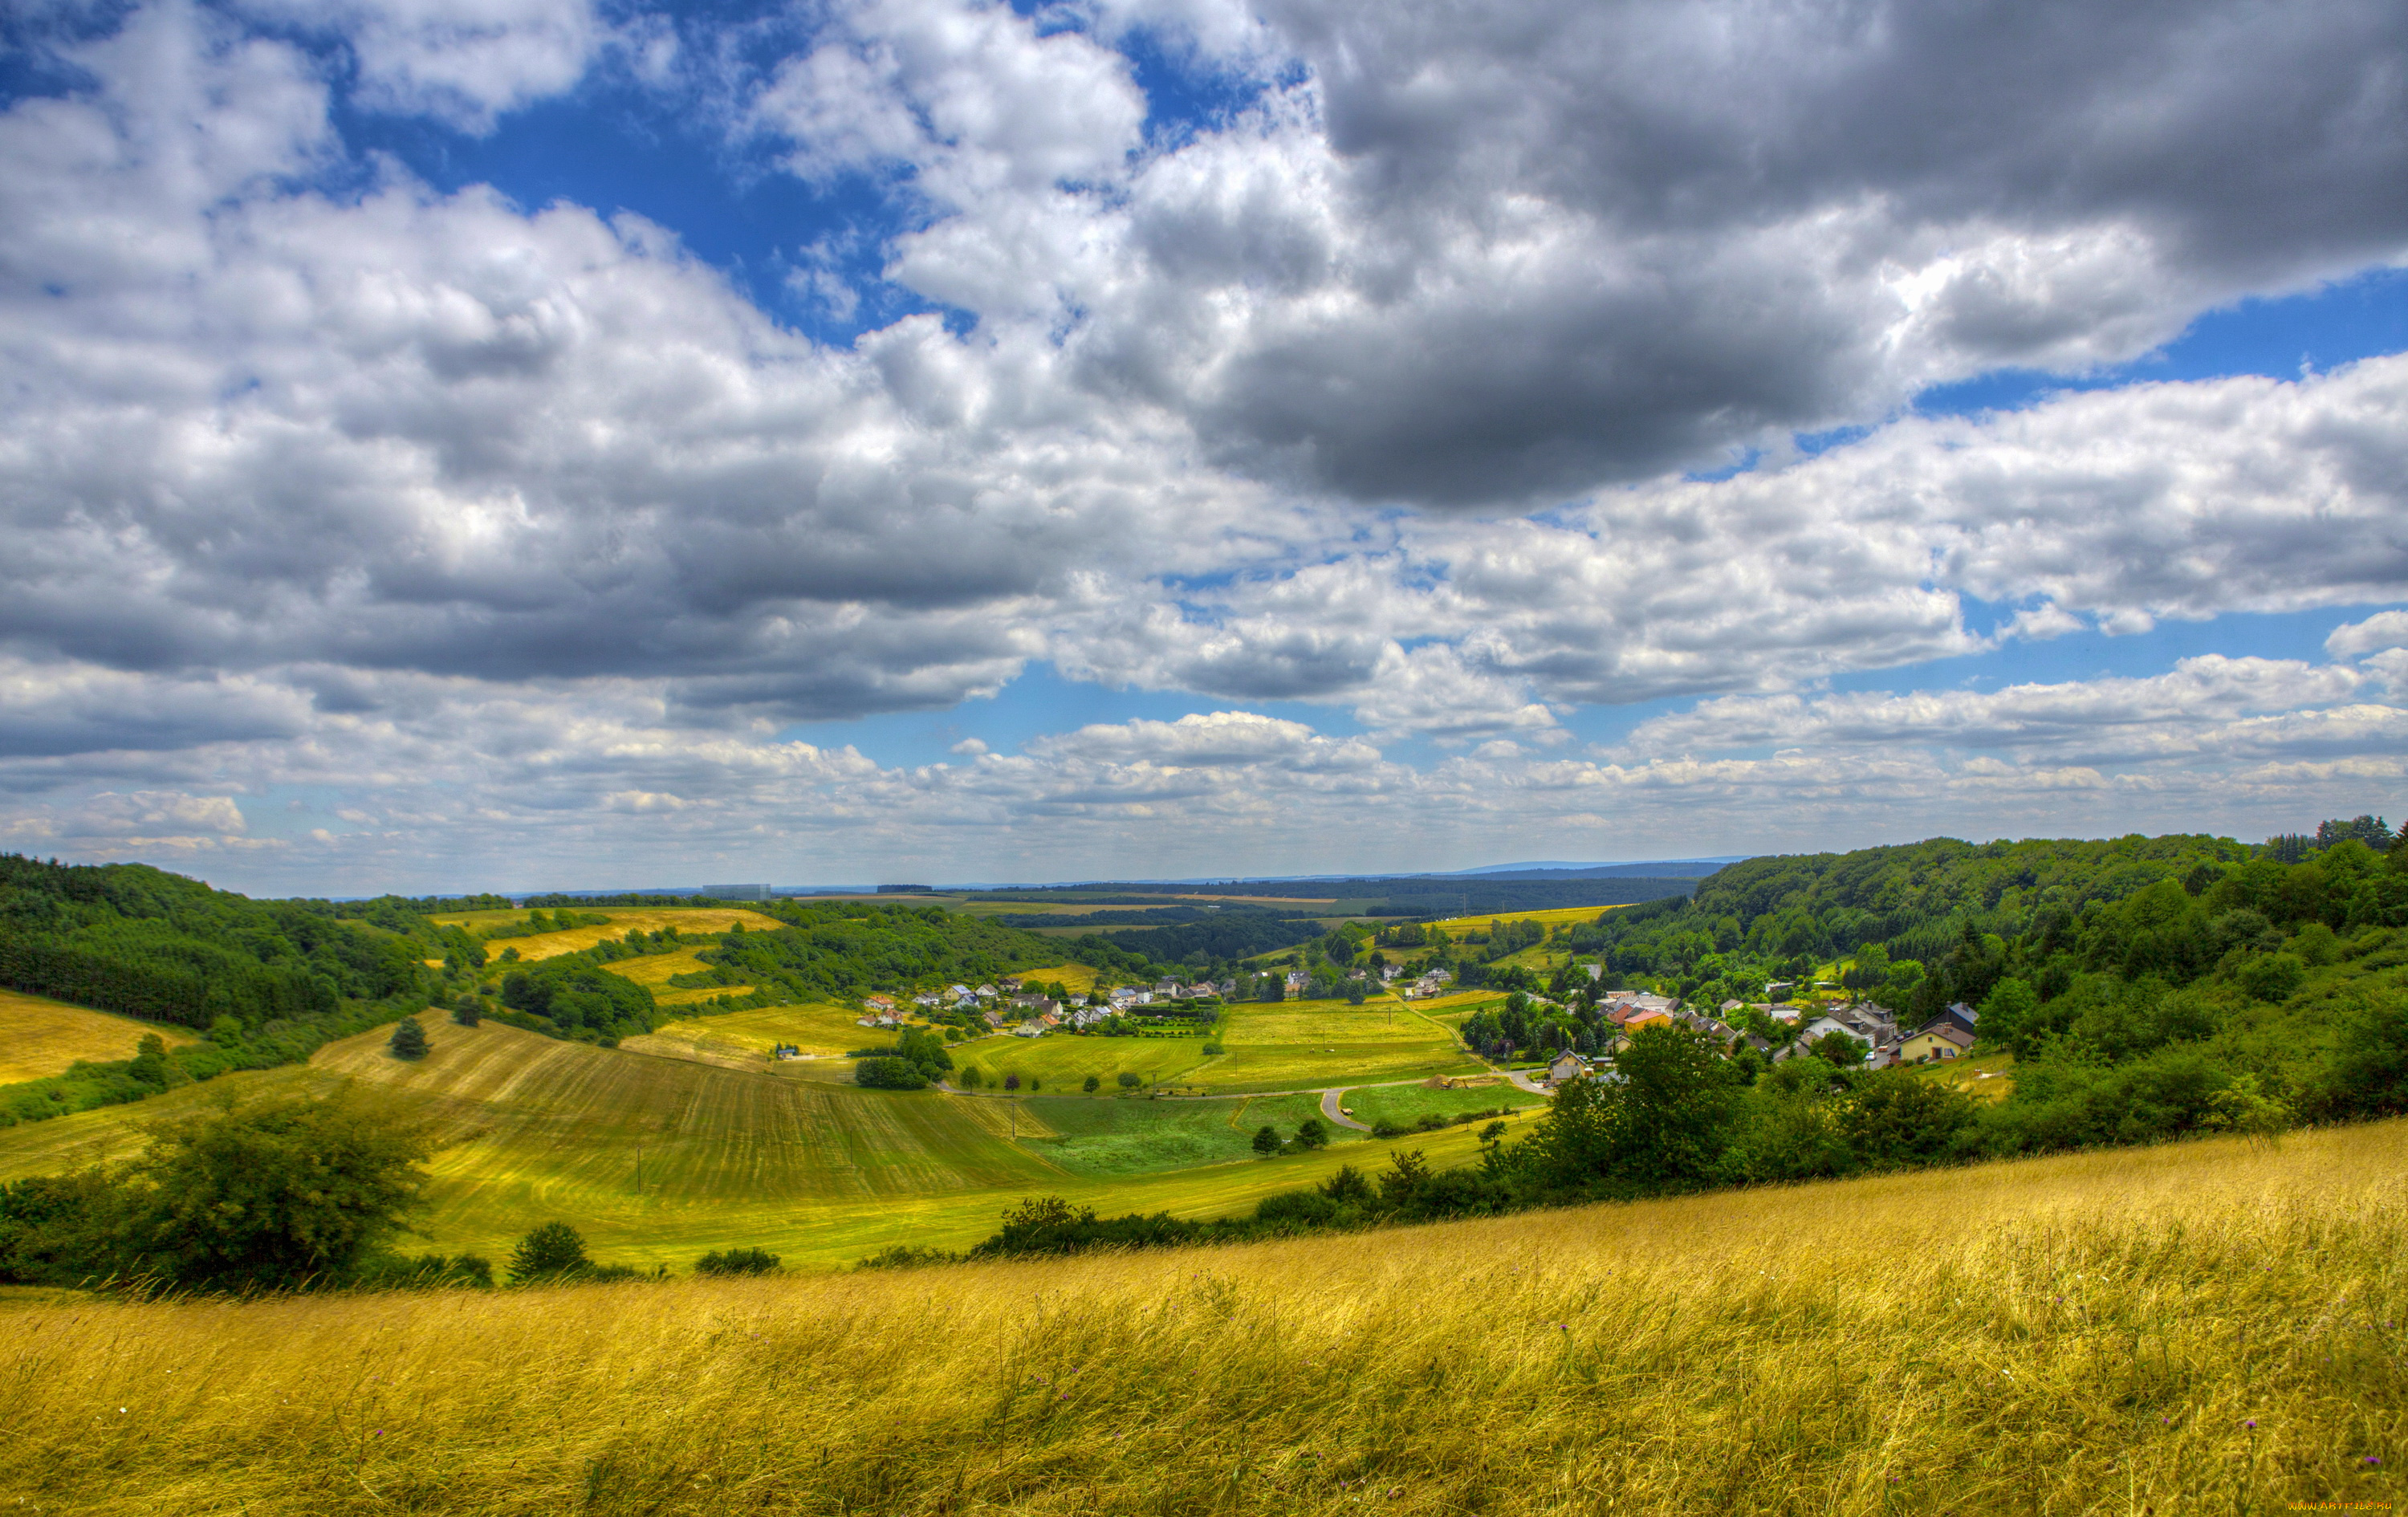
(1329, 1110)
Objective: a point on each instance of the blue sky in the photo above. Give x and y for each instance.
(1060, 440)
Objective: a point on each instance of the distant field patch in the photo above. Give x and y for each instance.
(39, 1037)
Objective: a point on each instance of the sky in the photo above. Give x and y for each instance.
(521, 444)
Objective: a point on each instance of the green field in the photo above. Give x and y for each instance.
(1121, 1135)
(1405, 1104)
(1060, 1060)
(536, 1130)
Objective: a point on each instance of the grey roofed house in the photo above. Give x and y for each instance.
(1960, 1016)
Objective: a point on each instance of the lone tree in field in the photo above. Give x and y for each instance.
(1091, 1084)
(1130, 1082)
(1312, 1134)
(466, 1013)
(1266, 1141)
(408, 1040)
(1493, 1132)
(555, 1251)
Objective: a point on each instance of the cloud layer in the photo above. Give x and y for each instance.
(1370, 388)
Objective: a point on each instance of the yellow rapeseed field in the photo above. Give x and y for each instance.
(2205, 1327)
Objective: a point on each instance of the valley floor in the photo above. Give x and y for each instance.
(2209, 1327)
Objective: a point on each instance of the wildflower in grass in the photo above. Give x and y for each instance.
(2372, 1460)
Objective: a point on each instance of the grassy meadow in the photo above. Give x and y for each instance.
(39, 1037)
(2201, 1328)
(1405, 1104)
(535, 1130)
(1111, 1136)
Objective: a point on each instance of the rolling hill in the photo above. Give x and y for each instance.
(536, 1129)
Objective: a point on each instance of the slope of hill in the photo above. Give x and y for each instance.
(536, 1129)
(2210, 1326)
(39, 1037)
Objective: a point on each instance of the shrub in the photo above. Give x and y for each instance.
(553, 1251)
(1214, 1050)
(1313, 1133)
(889, 1073)
(1129, 1082)
(466, 1013)
(2272, 977)
(736, 1262)
(1267, 1140)
(1384, 1128)
(1091, 1084)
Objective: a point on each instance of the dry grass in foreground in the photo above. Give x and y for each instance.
(2207, 1327)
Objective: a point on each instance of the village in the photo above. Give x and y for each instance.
(1859, 1033)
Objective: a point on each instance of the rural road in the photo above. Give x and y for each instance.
(1329, 1110)
(1523, 1082)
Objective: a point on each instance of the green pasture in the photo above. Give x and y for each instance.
(1102, 1139)
(1406, 1103)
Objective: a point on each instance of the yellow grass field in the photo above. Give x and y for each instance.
(1078, 978)
(653, 970)
(545, 945)
(537, 1130)
(2200, 1328)
(1479, 922)
(1300, 1044)
(39, 1037)
(816, 1028)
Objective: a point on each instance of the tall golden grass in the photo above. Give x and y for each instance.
(2207, 1327)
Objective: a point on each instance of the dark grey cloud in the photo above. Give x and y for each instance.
(1556, 242)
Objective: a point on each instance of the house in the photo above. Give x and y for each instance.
(879, 1003)
(993, 1019)
(1567, 1066)
(1942, 1040)
(1822, 1027)
(1960, 1016)
(1165, 987)
(1029, 1029)
(1631, 1021)
(1783, 1012)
